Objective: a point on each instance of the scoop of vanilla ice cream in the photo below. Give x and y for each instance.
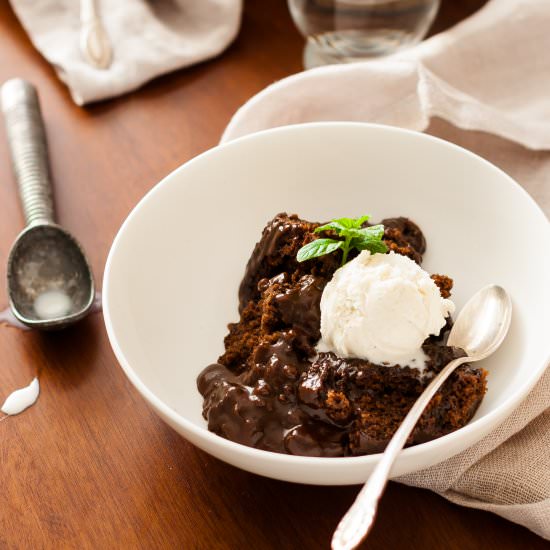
(381, 308)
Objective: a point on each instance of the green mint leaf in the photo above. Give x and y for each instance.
(352, 235)
(373, 246)
(353, 232)
(373, 232)
(346, 223)
(317, 248)
(341, 225)
(369, 238)
(358, 222)
(331, 226)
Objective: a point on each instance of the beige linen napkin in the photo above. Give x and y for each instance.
(485, 85)
(149, 38)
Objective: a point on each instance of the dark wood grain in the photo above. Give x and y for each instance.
(90, 466)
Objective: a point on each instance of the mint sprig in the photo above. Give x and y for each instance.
(351, 234)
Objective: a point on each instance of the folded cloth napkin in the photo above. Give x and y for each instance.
(483, 85)
(148, 38)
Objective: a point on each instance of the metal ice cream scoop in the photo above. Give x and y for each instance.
(50, 284)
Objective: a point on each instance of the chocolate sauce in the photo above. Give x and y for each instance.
(276, 251)
(318, 412)
(404, 237)
(282, 231)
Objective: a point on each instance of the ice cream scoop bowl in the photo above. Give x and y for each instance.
(50, 284)
(49, 281)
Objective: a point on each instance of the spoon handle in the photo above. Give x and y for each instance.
(355, 525)
(29, 151)
(94, 41)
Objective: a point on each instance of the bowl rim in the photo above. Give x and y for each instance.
(499, 413)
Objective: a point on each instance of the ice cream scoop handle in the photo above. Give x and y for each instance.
(29, 152)
(355, 525)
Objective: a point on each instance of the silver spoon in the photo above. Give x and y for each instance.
(50, 284)
(94, 40)
(479, 330)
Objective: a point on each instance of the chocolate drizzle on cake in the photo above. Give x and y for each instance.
(272, 390)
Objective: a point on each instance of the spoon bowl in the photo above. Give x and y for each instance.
(49, 280)
(483, 323)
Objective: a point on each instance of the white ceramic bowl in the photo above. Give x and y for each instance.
(171, 278)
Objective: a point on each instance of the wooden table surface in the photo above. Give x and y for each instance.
(90, 466)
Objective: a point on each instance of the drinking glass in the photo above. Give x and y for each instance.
(341, 31)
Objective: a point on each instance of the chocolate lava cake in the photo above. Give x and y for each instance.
(272, 390)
